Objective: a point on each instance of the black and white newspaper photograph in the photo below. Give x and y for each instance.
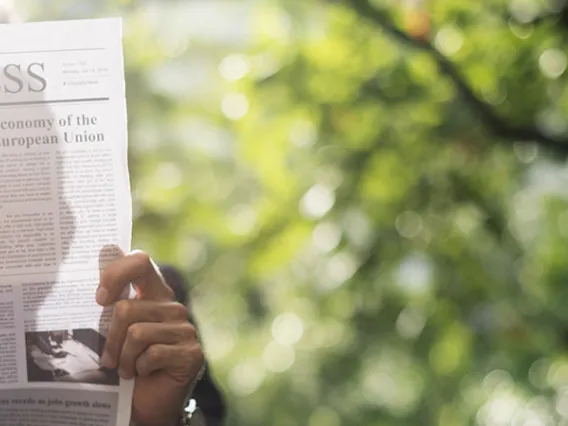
(67, 356)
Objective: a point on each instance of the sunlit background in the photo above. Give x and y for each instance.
(370, 200)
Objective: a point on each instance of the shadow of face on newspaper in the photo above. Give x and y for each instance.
(47, 186)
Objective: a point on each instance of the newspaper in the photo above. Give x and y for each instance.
(65, 212)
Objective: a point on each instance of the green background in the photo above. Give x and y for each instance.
(370, 200)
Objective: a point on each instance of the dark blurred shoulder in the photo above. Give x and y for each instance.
(206, 393)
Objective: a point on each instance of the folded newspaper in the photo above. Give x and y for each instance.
(65, 213)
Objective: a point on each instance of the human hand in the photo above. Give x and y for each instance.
(149, 338)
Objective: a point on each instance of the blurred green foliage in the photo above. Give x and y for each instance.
(370, 200)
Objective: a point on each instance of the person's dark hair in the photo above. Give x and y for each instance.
(208, 397)
(177, 283)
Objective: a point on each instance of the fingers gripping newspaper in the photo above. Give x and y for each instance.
(65, 213)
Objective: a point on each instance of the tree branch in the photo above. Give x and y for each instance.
(489, 117)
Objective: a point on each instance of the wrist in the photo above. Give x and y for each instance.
(188, 414)
(191, 415)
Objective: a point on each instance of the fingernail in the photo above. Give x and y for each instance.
(106, 361)
(102, 296)
(123, 374)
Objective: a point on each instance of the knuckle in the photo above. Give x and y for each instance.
(193, 350)
(197, 355)
(136, 333)
(123, 309)
(143, 259)
(141, 366)
(186, 332)
(178, 311)
(186, 354)
(153, 355)
(190, 358)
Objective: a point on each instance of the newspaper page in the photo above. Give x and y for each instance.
(65, 213)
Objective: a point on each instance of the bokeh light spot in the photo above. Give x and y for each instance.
(219, 344)
(168, 176)
(537, 373)
(414, 274)
(526, 152)
(557, 376)
(242, 219)
(524, 11)
(246, 377)
(409, 224)
(410, 323)
(235, 106)
(303, 134)
(467, 219)
(278, 358)
(326, 237)
(500, 410)
(552, 63)
(287, 329)
(234, 67)
(317, 202)
(497, 380)
(449, 41)
(392, 381)
(338, 270)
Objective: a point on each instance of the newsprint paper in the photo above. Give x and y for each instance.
(65, 212)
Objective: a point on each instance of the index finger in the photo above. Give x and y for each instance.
(136, 268)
